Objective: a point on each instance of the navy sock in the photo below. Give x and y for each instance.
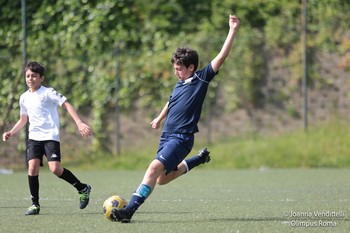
(135, 202)
(138, 198)
(34, 189)
(194, 161)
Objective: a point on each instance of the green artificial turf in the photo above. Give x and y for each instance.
(200, 201)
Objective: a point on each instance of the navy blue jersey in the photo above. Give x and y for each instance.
(185, 103)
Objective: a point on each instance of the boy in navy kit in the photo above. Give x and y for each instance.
(39, 105)
(182, 113)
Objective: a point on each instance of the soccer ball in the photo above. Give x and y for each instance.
(113, 202)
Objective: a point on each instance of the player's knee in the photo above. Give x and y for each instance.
(32, 171)
(56, 170)
(155, 168)
(33, 167)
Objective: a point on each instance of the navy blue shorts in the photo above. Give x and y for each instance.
(173, 149)
(37, 149)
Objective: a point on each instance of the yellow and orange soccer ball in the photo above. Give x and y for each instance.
(113, 202)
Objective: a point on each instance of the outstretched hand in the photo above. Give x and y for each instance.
(84, 129)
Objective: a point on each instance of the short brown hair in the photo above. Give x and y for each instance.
(185, 56)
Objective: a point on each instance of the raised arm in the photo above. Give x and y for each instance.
(84, 129)
(225, 50)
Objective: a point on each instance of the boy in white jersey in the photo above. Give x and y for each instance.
(39, 105)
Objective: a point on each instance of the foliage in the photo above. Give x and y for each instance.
(100, 53)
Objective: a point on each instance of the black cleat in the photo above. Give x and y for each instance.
(204, 154)
(120, 215)
(84, 196)
(33, 210)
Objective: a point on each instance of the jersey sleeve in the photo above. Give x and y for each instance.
(207, 73)
(23, 109)
(57, 97)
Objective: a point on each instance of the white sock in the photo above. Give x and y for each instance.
(185, 163)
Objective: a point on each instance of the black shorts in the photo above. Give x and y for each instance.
(37, 149)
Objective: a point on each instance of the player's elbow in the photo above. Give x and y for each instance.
(217, 63)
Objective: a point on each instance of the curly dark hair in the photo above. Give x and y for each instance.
(185, 56)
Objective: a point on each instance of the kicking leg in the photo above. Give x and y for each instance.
(166, 178)
(202, 157)
(141, 194)
(185, 166)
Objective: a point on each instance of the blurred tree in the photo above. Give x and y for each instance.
(76, 40)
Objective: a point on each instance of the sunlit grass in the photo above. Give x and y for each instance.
(321, 146)
(204, 200)
(324, 145)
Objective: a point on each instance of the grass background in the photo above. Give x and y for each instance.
(324, 145)
(249, 186)
(204, 200)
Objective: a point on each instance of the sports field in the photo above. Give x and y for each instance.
(277, 200)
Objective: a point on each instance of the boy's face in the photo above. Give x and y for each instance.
(182, 72)
(33, 80)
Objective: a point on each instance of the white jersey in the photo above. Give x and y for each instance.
(41, 109)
